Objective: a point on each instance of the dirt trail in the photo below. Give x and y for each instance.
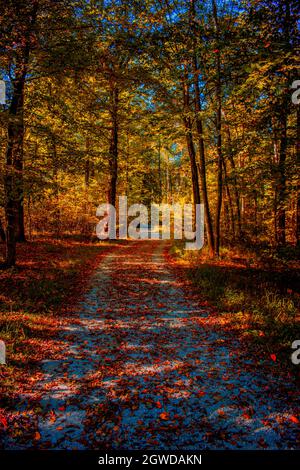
(143, 368)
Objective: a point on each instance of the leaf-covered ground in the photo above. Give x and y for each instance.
(145, 365)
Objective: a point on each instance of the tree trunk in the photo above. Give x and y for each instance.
(283, 121)
(235, 186)
(231, 212)
(159, 172)
(281, 194)
(55, 163)
(201, 146)
(219, 134)
(189, 139)
(87, 172)
(113, 148)
(204, 191)
(21, 237)
(2, 232)
(12, 180)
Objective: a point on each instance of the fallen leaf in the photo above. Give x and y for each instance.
(52, 416)
(3, 421)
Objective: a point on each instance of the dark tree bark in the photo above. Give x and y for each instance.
(189, 139)
(13, 181)
(235, 185)
(229, 198)
(159, 172)
(14, 156)
(202, 165)
(199, 129)
(2, 232)
(219, 132)
(113, 148)
(87, 170)
(281, 189)
(288, 24)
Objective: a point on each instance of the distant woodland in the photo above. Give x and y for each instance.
(162, 101)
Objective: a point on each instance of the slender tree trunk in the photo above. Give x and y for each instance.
(12, 181)
(235, 185)
(87, 164)
(283, 121)
(219, 133)
(2, 232)
(189, 139)
(231, 212)
(20, 237)
(113, 148)
(281, 194)
(202, 165)
(201, 146)
(159, 172)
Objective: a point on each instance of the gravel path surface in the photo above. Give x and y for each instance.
(144, 367)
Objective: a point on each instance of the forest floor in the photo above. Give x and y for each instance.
(143, 362)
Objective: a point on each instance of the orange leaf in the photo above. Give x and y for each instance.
(164, 416)
(158, 404)
(294, 419)
(59, 428)
(37, 436)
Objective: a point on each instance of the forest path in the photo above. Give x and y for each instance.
(143, 367)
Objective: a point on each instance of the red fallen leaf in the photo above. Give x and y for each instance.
(262, 442)
(37, 436)
(158, 404)
(246, 416)
(200, 393)
(164, 416)
(62, 408)
(216, 50)
(294, 419)
(273, 357)
(59, 428)
(3, 421)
